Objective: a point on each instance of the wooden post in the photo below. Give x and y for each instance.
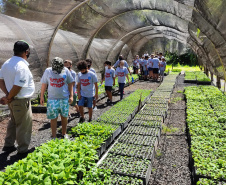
(218, 82)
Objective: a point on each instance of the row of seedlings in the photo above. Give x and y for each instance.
(68, 162)
(198, 77)
(206, 122)
(133, 152)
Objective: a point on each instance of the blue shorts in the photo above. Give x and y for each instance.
(56, 107)
(150, 69)
(145, 72)
(89, 101)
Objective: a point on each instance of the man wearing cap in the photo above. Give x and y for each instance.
(60, 94)
(162, 68)
(16, 81)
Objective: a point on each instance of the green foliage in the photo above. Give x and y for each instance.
(206, 121)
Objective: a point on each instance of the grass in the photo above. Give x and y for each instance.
(183, 68)
(168, 130)
(158, 153)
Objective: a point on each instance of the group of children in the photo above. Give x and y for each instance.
(150, 66)
(65, 86)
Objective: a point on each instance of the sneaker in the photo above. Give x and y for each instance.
(9, 148)
(81, 120)
(66, 136)
(90, 120)
(111, 104)
(95, 108)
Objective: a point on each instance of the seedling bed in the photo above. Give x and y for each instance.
(140, 130)
(164, 107)
(146, 123)
(128, 166)
(140, 116)
(138, 151)
(138, 139)
(153, 112)
(157, 100)
(122, 180)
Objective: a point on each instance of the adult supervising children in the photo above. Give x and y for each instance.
(109, 78)
(86, 93)
(16, 81)
(122, 73)
(60, 94)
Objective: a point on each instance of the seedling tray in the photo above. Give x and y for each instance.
(146, 123)
(140, 130)
(138, 151)
(39, 109)
(128, 166)
(153, 112)
(157, 100)
(122, 180)
(203, 83)
(190, 81)
(146, 117)
(138, 139)
(101, 150)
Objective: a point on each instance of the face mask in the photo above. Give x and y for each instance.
(121, 66)
(28, 55)
(106, 67)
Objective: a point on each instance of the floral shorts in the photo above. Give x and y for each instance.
(56, 107)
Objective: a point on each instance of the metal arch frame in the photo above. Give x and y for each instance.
(85, 52)
(58, 26)
(137, 32)
(87, 47)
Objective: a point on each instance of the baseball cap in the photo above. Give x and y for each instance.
(57, 65)
(21, 46)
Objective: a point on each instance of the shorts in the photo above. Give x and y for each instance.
(56, 107)
(145, 72)
(87, 100)
(74, 100)
(161, 72)
(150, 69)
(108, 88)
(155, 70)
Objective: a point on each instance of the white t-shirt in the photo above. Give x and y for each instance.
(150, 63)
(117, 64)
(87, 84)
(15, 71)
(57, 83)
(121, 73)
(109, 75)
(162, 66)
(136, 62)
(92, 70)
(155, 62)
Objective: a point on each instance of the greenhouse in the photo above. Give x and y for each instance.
(169, 130)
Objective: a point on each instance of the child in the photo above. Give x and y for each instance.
(89, 63)
(60, 87)
(150, 66)
(122, 74)
(86, 82)
(162, 67)
(68, 64)
(109, 78)
(144, 67)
